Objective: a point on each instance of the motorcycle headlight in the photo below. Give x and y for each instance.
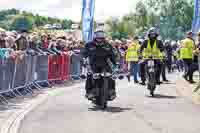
(150, 63)
(96, 76)
(114, 77)
(121, 77)
(89, 73)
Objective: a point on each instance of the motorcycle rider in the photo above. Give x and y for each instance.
(168, 51)
(152, 47)
(101, 57)
(166, 60)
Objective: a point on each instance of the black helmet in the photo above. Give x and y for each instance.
(153, 33)
(99, 34)
(153, 30)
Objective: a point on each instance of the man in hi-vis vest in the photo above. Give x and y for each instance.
(152, 47)
(186, 54)
(132, 57)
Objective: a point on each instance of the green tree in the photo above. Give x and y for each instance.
(66, 24)
(120, 28)
(141, 15)
(22, 23)
(38, 21)
(112, 24)
(7, 18)
(171, 16)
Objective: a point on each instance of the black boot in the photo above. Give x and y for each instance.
(143, 83)
(159, 82)
(165, 80)
(136, 81)
(191, 81)
(185, 77)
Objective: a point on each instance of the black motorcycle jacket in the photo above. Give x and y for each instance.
(100, 56)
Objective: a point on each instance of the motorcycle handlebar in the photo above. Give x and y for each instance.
(108, 75)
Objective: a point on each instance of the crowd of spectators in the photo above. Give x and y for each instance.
(37, 43)
(50, 43)
(55, 43)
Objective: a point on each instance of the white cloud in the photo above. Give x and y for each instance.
(71, 8)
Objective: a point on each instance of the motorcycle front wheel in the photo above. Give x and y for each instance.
(151, 86)
(102, 95)
(151, 89)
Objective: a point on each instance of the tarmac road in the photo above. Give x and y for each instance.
(132, 112)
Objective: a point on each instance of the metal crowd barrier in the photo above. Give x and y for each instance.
(41, 70)
(12, 77)
(28, 72)
(75, 66)
(6, 72)
(19, 78)
(59, 67)
(65, 68)
(54, 68)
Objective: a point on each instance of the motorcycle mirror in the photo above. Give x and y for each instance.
(83, 76)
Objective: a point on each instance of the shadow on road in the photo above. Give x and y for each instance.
(169, 83)
(111, 109)
(160, 96)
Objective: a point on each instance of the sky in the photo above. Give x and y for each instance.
(71, 9)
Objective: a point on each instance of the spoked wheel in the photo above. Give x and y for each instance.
(151, 88)
(99, 104)
(104, 106)
(152, 93)
(151, 84)
(96, 102)
(103, 100)
(102, 93)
